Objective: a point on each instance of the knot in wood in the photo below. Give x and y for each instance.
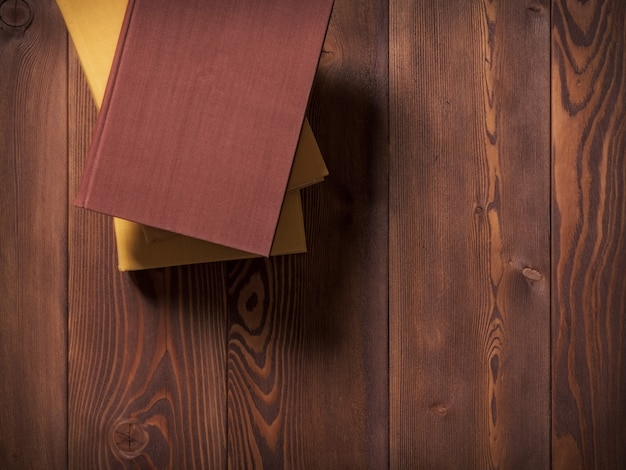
(129, 438)
(439, 409)
(532, 274)
(15, 15)
(538, 7)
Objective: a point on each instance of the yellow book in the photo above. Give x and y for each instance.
(94, 26)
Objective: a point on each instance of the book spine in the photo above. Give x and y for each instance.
(82, 196)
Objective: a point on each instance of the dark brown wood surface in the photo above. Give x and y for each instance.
(469, 234)
(589, 234)
(33, 236)
(433, 324)
(307, 375)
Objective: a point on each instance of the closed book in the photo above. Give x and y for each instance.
(94, 27)
(202, 114)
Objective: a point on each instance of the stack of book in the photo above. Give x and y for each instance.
(201, 146)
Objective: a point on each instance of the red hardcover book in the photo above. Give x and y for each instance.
(202, 114)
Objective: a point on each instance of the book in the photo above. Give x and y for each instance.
(201, 117)
(94, 27)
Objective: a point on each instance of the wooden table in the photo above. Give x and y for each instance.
(462, 303)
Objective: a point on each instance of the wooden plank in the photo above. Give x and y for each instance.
(469, 234)
(33, 236)
(589, 234)
(308, 333)
(146, 350)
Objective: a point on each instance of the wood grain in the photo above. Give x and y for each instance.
(589, 234)
(147, 362)
(308, 333)
(441, 240)
(469, 234)
(33, 236)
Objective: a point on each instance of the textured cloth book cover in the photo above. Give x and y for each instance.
(94, 27)
(202, 115)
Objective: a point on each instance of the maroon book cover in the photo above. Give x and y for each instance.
(202, 115)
